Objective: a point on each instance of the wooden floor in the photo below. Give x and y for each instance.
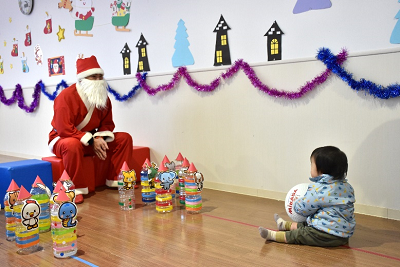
(224, 234)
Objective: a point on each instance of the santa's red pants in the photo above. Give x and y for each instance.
(72, 151)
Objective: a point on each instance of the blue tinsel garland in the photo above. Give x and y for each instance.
(379, 91)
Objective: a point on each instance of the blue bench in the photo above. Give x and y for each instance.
(24, 173)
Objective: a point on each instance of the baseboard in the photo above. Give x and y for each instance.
(18, 155)
(360, 208)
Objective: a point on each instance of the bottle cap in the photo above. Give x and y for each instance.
(37, 181)
(165, 160)
(192, 168)
(13, 186)
(64, 176)
(179, 157)
(125, 167)
(23, 193)
(59, 187)
(62, 197)
(147, 163)
(185, 163)
(162, 168)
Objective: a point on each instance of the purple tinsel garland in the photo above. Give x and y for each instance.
(19, 97)
(251, 75)
(182, 72)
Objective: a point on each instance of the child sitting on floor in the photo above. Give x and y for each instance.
(328, 205)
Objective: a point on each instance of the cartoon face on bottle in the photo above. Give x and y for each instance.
(67, 213)
(167, 179)
(30, 214)
(129, 179)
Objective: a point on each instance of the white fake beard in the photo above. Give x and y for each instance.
(95, 91)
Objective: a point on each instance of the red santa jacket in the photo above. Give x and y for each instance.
(72, 118)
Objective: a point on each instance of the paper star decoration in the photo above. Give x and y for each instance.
(60, 33)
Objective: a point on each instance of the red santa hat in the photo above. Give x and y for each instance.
(87, 66)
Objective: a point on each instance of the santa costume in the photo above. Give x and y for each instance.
(75, 123)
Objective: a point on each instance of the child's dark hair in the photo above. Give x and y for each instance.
(331, 160)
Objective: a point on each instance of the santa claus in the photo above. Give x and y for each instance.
(56, 68)
(83, 9)
(83, 126)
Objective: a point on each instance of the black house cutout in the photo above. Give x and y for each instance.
(143, 62)
(274, 42)
(126, 59)
(222, 53)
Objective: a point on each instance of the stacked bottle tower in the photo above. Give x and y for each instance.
(163, 192)
(178, 165)
(148, 190)
(63, 225)
(181, 178)
(170, 166)
(193, 187)
(126, 184)
(9, 201)
(26, 212)
(40, 193)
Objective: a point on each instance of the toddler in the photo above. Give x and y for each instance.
(328, 205)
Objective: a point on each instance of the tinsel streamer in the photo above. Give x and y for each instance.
(130, 94)
(19, 97)
(181, 72)
(164, 87)
(55, 93)
(379, 91)
(255, 81)
(199, 87)
(251, 75)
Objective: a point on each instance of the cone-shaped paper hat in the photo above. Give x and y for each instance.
(13, 186)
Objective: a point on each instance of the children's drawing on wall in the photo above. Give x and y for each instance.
(182, 55)
(126, 59)
(60, 33)
(14, 51)
(274, 42)
(84, 19)
(65, 4)
(25, 68)
(395, 37)
(307, 5)
(143, 61)
(49, 25)
(121, 14)
(1, 66)
(56, 66)
(38, 55)
(222, 54)
(28, 36)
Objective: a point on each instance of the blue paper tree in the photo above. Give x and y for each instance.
(395, 37)
(182, 55)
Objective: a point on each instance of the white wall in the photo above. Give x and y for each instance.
(248, 142)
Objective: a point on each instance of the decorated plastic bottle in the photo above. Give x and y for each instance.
(40, 193)
(178, 165)
(26, 212)
(163, 191)
(68, 185)
(63, 226)
(126, 183)
(193, 186)
(170, 165)
(9, 201)
(54, 195)
(148, 190)
(181, 178)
